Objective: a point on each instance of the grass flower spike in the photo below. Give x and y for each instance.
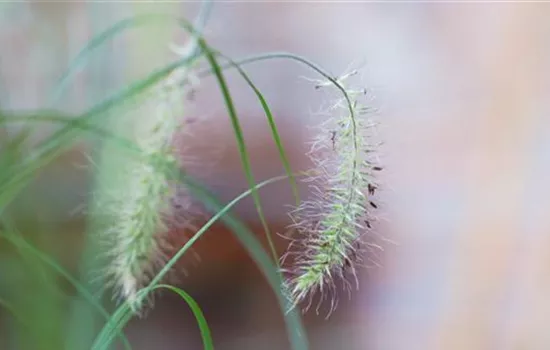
(330, 226)
(145, 204)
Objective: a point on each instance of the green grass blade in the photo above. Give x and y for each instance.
(114, 325)
(22, 244)
(245, 159)
(7, 306)
(197, 312)
(11, 148)
(123, 314)
(117, 29)
(272, 125)
(58, 118)
(94, 43)
(281, 55)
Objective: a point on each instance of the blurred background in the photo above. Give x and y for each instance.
(462, 93)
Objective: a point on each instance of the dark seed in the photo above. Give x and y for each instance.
(348, 262)
(371, 189)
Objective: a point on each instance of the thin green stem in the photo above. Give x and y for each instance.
(245, 159)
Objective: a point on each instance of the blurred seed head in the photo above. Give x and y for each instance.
(146, 203)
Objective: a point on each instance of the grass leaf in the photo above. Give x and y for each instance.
(18, 241)
(197, 312)
(272, 126)
(245, 159)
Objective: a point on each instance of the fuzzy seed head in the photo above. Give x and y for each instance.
(330, 225)
(142, 205)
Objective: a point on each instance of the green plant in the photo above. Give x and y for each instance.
(137, 177)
